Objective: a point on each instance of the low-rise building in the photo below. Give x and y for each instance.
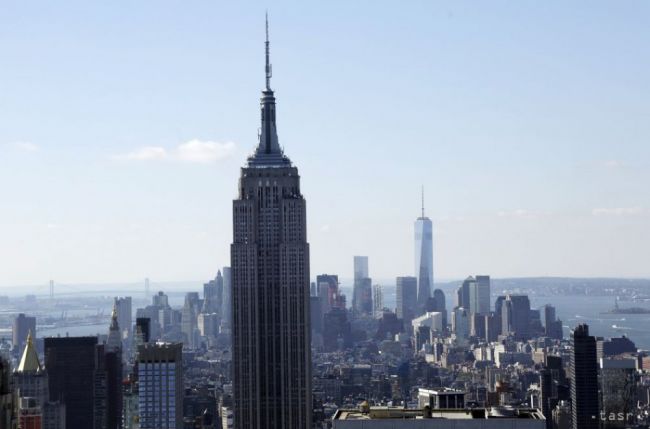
(399, 418)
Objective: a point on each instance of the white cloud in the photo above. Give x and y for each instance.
(197, 151)
(24, 146)
(204, 151)
(618, 211)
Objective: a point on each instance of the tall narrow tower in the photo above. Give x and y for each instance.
(270, 286)
(584, 379)
(423, 257)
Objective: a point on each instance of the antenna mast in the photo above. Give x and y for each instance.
(422, 200)
(268, 55)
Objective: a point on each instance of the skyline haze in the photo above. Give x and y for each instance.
(526, 124)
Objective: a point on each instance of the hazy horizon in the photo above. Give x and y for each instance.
(123, 135)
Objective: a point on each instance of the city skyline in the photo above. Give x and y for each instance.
(533, 164)
(525, 124)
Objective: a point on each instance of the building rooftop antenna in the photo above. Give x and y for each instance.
(268, 68)
(422, 200)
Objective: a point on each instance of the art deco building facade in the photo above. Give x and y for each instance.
(270, 287)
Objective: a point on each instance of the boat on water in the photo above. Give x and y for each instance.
(628, 310)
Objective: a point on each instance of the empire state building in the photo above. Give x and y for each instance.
(270, 286)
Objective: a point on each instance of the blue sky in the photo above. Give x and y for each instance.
(124, 125)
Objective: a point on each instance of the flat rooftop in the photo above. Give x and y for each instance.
(382, 413)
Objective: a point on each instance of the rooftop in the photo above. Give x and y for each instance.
(398, 413)
(29, 361)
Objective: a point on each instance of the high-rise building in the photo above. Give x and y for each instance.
(107, 388)
(160, 379)
(552, 326)
(462, 294)
(362, 288)
(226, 302)
(160, 300)
(7, 396)
(71, 364)
(515, 316)
(362, 300)
(377, 301)
(143, 329)
(584, 379)
(360, 267)
(492, 326)
(30, 378)
(336, 330)
(208, 325)
(270, 286)
(460, 322)
(619, 391)
(479, 295)
(22, 326)
(112, 365)
(31, 381)
(30, 414)
(424, 257)
(474, 294)
(327, 286)
(189, 320)
(441, 305)
(547, 313)
(316, 313)
(406, 298)
(124, 310)
(213, 295)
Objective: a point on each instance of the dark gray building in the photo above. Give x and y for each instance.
(462, 293)
(22, 326)
(515, 316)
(71, 364)
(406, 299)
(584, 379)
(441, 305)
(270, 287)
(362, 302)
(226, 302)
(327, 288)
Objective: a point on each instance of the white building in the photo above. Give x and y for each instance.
(460, 322)
(432, 319)
(124, 311)
(399, 418)
(479, 295)
(227, 418)
(444, 398)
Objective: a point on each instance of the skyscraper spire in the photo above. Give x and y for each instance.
(422, 200)
(268, 152)
(266, 293)
(29, 361)
(423, 256)
(268, 56)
